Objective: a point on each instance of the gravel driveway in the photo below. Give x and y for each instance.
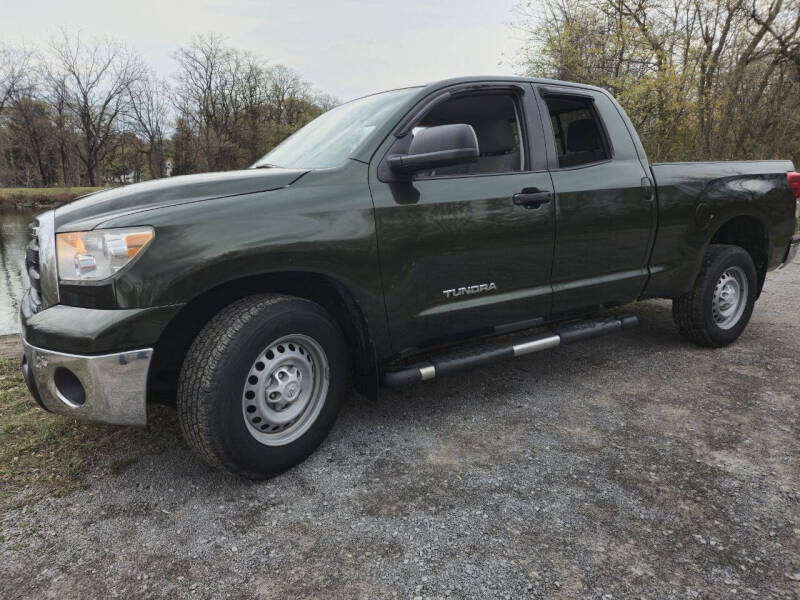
(622, 467)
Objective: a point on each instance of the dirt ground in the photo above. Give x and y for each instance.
(631, 466)
(10, 347)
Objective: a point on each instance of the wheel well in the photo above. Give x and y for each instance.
(750, 234)
(177, 337)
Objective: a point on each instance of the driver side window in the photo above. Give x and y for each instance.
(496, 121)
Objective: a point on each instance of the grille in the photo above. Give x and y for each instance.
(32, 265)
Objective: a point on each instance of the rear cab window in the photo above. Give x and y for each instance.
(578, 132)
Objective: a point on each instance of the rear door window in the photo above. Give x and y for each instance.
(579, 135)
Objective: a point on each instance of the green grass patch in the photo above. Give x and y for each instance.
(72, 191)
(43, 196)
(42, 454)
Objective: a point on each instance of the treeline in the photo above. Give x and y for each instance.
(83, 112)
(701, 79)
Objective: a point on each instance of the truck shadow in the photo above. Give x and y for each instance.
(450, 397)
(610, 354)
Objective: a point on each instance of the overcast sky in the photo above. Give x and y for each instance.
(345, 47)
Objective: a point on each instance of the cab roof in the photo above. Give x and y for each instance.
(499, 78)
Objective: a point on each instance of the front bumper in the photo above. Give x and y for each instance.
(91, 364)
(109, 388)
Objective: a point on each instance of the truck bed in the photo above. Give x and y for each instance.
(695, 198)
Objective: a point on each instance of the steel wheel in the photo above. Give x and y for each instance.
(285, 390)
(730, 297)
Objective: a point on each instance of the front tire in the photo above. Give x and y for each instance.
(716, 310)
(262, 384)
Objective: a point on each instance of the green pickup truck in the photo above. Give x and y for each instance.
(397, 238)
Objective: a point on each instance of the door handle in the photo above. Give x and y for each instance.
(531, 198)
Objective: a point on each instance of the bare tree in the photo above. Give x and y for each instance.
(88, 112)
(202, 93)
(31, 131)
(55, 90)
(701, 79)
(235, 105)
(96, 77)
(149, 113)
(325, 101)
(14, 64)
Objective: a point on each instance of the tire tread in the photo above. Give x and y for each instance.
(688, 310)
(197, 381)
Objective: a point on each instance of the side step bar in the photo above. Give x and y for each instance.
(471, 357)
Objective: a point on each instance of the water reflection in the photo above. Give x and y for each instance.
(14, 239)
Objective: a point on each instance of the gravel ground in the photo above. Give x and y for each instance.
(623, 467)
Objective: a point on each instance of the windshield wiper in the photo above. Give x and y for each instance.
(267, 166)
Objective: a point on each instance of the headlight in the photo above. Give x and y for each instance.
(98, 254)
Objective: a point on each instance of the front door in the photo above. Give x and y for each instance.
(462, 249)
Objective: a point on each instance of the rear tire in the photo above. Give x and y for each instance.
(717, 309)
(262, 384)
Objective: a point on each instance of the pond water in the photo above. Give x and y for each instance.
(14, 238)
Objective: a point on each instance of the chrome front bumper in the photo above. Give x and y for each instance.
(110, 388)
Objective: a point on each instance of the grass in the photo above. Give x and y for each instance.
(42, 196)
(42, 454)
(22, 192)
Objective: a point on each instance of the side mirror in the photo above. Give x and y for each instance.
(437, 147)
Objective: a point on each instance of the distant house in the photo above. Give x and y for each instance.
(129, 177)
(123, 178)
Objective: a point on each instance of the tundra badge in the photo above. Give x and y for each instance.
(470, 289)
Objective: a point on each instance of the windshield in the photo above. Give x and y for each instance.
(330, 138)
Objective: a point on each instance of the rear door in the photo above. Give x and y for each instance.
(604, 203)
(462, 251)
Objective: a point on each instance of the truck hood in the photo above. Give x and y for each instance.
(90, 211)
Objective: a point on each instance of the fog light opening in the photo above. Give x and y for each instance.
(69, 387)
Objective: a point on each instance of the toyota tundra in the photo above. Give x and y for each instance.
(395, 239)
